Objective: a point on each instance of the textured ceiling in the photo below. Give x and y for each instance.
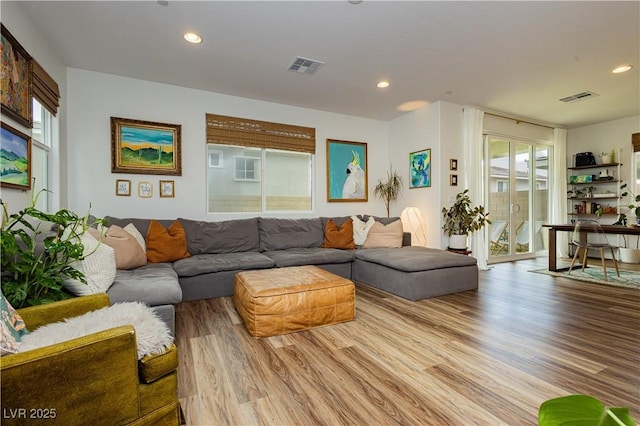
(513, 57)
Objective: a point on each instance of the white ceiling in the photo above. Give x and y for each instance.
(513, 57)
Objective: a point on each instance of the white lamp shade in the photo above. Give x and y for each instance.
(413, 221)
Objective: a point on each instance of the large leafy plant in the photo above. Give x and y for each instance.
(634, 204)
(38, 249)
(582, 410)
(461, 218)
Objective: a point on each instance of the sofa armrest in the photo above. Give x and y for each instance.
(91, 380)
(37, 316)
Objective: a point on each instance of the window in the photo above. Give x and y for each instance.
(260, 179)
(272, 167)
(42, 137)
(503, 186)
(215, 158)
(247, 168)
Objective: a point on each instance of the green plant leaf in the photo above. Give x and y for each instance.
(581, 410)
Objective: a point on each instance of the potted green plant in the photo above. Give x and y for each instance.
(461, 219)
(582, 410)
(390, 189)
(633, 206)
(38, 249)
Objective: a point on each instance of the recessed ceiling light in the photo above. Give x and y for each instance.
(382, 84)
(621, 69)
(192, 38)
(355, 1)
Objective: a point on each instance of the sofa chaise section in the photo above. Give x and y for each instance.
(415, 272)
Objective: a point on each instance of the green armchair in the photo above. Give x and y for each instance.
(94, 379)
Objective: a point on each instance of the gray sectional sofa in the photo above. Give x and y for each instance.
(221, 249)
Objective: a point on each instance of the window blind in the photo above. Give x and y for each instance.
(45, 89)
(635, 140)
(224, 130)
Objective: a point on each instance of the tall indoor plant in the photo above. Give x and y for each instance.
(461, 219)
(390, 190)
(38, 249)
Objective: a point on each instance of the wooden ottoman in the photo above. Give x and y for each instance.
(284, 300)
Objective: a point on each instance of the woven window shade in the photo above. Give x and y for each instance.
(635, 140)
(223, 130)
(45, 89)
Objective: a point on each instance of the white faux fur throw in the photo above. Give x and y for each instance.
(152, 334)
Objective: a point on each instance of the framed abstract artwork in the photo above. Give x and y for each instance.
(16, 80)
(145, 189)
(15, 171)
(167, 189)
(346, 171)
(123, 187)
(420, 169)
(145, 147)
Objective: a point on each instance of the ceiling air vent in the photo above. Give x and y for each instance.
(305, 65)
(579, 97)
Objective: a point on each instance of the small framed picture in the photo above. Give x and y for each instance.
(123, 187)
(145, 189)
(453, 180)
(167, 189)
(453, 164)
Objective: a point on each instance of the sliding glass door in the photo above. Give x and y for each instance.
(518, 197)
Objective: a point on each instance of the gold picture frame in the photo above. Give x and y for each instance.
(145, 189)
(17, 80)
(16, 173)
(347, 171)
(123, 187)
(167, 188)
(145, 147)
(453, 180)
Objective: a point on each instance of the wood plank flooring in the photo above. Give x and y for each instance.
(485, 357)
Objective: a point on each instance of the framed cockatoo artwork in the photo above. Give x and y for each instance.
(346, 171)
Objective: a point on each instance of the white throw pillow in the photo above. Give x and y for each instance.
(361, 229)
(98, 267)
(130, 228)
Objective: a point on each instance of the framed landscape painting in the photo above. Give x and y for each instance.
(16, 80)
(145, 147)
(420, 169)
(15, 158)
(346, 171)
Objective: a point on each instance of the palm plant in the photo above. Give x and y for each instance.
(390, 190)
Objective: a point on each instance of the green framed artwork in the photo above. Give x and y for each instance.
(420, 169)
(145, 147)
(346, 171)
(16, 80)
(15, 167)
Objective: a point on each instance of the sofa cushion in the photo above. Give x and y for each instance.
(128, 252)
(98, 267)
(282, 234)
(154, 284)
(339, 237)
(414, 258)
(381, 235)
(208, 263)
(141, 225)
(309, 256)
(229, 236)
(166, 244)
(361, 229)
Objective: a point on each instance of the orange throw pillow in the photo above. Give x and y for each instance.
(339, 237)
(166, 245)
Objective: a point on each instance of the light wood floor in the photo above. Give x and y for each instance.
(485, 357)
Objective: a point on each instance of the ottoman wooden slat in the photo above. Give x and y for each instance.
(284, 300)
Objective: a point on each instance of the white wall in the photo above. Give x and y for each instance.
(439, 127)
(94, 97)
(14, 19)
(602, 137)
